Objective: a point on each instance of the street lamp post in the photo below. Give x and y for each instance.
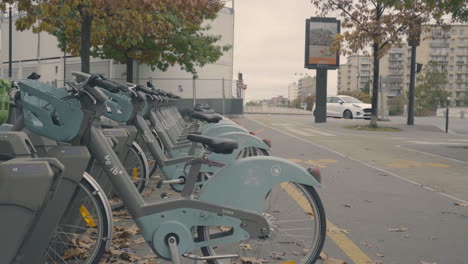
(447, 115)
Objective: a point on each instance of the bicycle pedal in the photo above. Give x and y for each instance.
(195, 257)
(180, 180)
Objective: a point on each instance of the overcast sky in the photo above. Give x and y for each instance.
(269, 46)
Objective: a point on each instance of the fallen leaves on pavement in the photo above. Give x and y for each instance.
(333, 261)
(323, 255)
(139, 240)
(329, 260)
(245, 246)
(365, 244)
(277, 255)
(400, 229)
(245, 260)
(335, 229)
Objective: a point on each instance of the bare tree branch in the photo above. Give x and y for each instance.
(350, 15)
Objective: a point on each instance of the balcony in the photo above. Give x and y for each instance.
(395, 59)
(439, 45)
(460, 62)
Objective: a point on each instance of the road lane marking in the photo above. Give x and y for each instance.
(259, 131)
(322, 163)
(433, 143)
(361, 162)
(434, 155)
(340, 239)
(403, 164)
(332, 132)
(295, 160)
(297, 131)
(437, 165)
(319, 132)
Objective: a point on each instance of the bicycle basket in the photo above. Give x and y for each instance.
(5, 88)
(146, 108)
(120, 105)
(47, 113)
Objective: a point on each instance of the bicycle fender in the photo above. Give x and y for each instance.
(245, 140)
(215, 131)
(246, 182)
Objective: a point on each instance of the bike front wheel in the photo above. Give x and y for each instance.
(298, 229)
(85, 230)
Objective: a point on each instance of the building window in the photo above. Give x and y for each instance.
(460, 67)
(459, 76)
(452, 49)
(452, 58)
(451, 76)
(451, 67)
(461, 32)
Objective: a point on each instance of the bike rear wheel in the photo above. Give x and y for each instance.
(136, 166)
(85, 230)
(297, 217)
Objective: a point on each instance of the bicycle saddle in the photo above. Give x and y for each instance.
(210, 118)
(217, 145)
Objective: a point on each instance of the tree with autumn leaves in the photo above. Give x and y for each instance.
(379, 24)
(160, 33)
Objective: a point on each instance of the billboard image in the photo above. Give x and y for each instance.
(319, 36)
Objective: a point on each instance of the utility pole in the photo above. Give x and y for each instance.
(414, 38)
(194, 85)
(10, 41)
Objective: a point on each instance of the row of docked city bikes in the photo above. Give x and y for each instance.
(71, 155)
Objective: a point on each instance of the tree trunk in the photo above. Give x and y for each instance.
(85, 43)
(375, 85)
(129, 70)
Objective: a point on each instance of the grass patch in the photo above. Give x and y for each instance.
(378, 129)
(463, 147)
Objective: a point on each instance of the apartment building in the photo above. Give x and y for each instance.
(306, 86)
(355, 74)
(449, 48)
(394, 71)
(292, 91)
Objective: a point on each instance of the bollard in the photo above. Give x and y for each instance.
(462, 115)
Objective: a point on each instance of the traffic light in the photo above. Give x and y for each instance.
(419, 67)
(239, 76)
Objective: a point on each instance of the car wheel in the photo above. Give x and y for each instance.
(347, 114)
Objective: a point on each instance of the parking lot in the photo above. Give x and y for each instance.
(390, 197)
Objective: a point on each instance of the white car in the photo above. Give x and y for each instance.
(346, 107)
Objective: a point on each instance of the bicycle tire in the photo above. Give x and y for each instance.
(312, 253)
(65, 245)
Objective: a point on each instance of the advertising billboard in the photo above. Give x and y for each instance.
(320, 32)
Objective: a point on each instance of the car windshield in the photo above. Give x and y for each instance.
(351, 100)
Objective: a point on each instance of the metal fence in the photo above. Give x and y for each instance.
(220, 94)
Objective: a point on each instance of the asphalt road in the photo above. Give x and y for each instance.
(390, 195)
(395, 192)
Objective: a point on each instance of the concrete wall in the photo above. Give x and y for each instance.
(265, 109)
(461, 112)
(232, 106)
(39, 52)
